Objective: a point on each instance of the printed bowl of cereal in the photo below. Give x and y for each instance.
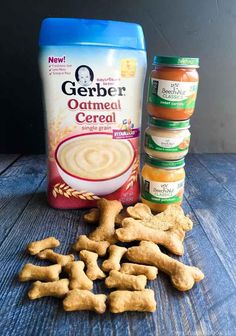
(95, 162)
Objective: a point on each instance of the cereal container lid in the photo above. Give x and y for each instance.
(68, 31)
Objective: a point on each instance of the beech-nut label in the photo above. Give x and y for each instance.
(172, 94)
(168, 145)
(162, 192)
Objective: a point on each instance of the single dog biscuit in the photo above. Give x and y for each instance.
(175, 217)
(135, 269)
(133, 230)
(93, 271)
(84, 243)
(42, 273)
(115, 255)
(183, 277)
(57, 258)
(171, 218)
(40, 245)
(106, 229)
(93, 215)
(139, 211)
(120, 280)
(57, 288)
(123, 300)
(78, 279)
(84, 300)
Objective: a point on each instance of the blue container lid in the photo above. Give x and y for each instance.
(66, 31)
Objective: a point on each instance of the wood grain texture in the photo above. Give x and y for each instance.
(222, 167)
(208, 309)
(6, 160)
(17, 185)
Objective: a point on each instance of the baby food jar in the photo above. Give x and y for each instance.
(173, 87)
(162, 183)
(167, 140)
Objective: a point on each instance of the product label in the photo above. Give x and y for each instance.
(172, 94)
(168, 145)
(162, 192)
(93, 110)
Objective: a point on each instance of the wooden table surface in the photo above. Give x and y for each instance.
(208, 309)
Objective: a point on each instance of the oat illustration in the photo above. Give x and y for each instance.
(68, 192)
(134, 175)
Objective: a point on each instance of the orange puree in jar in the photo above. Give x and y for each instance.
(162, 183)
(173, 87)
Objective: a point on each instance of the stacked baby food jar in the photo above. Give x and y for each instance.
(172, 94)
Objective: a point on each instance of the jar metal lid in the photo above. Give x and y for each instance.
(170, 124)
(164, 164)
(175, 61)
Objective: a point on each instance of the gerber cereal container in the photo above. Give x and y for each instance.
(93, 74)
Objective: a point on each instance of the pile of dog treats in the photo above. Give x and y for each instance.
(136, 223)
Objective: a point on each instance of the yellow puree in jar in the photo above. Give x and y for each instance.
(157, 174)
(95, 158)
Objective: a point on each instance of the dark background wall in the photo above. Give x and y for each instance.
(204, 28)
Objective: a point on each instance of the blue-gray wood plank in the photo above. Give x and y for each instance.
(208, 309)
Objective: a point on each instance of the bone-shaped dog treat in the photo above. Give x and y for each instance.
(183, 277)
(135, 269)
(174, 215)
(42, 273)
(123, 300)
(139, 211)
(106, 229)
(172, 218)
(40, 245)
(120, 280)
(93, 215)
(84, 300)
(115, 255)
(57, 258)
(93, 271)
(78, 279)
(84, 243)
(57, 288)
(133, 230)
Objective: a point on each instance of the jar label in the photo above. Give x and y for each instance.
(162, 192)
(169, 145)
(172, 94)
